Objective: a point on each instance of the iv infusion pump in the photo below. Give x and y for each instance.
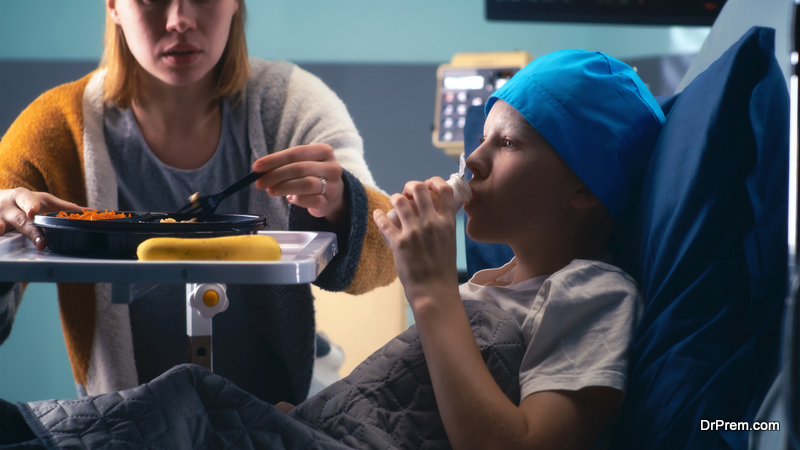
(468, 80)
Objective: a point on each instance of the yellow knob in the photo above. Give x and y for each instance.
(210, 298)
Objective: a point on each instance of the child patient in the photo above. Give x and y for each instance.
(565, 144)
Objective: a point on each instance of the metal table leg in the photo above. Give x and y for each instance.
(203, 301)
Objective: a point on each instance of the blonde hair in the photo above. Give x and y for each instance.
(122, 82)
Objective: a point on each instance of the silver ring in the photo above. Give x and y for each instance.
(324, 185)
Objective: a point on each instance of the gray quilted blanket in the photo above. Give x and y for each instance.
(387, 402)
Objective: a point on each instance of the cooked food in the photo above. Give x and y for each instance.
(92, 214)
(249, 247)
(171, 220)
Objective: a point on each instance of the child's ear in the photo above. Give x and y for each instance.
(583, 197)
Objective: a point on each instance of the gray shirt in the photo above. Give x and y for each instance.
(147, 184)
(158, 318)
(577, 323)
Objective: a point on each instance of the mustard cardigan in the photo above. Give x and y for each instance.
(57, 145)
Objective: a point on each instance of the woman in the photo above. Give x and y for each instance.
(175, 108)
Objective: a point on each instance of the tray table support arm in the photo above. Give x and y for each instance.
(203, 301)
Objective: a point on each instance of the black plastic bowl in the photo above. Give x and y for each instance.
(119, 238)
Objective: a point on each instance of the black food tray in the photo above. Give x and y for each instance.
(119, 238)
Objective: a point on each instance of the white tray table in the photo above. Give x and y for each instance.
(304, 255)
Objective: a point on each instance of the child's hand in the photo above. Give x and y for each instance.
(424, 244)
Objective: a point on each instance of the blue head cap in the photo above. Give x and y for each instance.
(596, 113)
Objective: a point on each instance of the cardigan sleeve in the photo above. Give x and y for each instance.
(364, 261)
(314, 114)
(40, 152)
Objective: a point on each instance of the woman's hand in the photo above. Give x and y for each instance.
(284, 407)
(298, 174)
(19, 206)
(424, 244)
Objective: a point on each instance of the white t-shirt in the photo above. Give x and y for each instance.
(577, 323)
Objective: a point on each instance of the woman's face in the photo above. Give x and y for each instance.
(175, 41)
(521, 187)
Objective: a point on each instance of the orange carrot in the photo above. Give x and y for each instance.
(93, 214)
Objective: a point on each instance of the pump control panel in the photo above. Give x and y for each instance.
(469, 80)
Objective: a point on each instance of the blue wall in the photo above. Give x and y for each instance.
(33, 361)
(373, 53)
(353, 31)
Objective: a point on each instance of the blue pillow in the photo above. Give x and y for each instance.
(708, 243)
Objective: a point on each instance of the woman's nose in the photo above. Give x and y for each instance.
(180, 16)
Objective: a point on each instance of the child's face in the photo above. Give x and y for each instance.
(522, 189)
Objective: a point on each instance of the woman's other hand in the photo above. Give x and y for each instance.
(308, 176)
(284, 407)
(19, 206)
